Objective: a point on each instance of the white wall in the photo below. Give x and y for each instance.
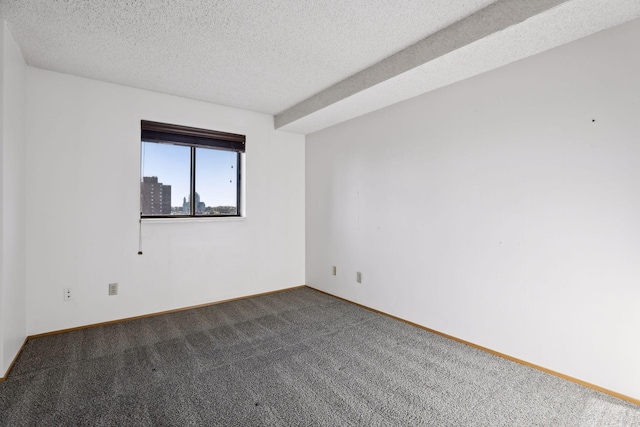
(12, 200)
(495, 210)
(83, 163)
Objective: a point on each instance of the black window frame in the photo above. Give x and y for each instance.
(164, 133)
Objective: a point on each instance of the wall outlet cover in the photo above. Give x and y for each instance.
(113, 289)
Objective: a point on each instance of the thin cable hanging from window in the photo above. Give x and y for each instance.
(140, 219)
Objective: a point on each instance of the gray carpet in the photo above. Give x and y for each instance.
(292, 358)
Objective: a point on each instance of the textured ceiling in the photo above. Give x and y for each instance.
(262, 56)
(567, 22)
(271, 56)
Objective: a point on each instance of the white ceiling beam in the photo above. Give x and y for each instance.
(490, 20)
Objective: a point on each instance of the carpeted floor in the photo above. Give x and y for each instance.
(292, 358)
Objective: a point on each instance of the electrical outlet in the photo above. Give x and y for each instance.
(67, 294)
(113, 289)
(335, 270)
(359, 277)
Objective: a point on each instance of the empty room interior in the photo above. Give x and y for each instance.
(306, 176)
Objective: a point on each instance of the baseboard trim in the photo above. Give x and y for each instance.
(496, 353)
(6, 374)
(159, 313)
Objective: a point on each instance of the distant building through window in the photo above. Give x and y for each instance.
(156, 197)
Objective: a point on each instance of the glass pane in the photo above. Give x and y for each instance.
(165, 179)
(216, 182)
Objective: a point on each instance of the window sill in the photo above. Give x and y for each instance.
(193, 219)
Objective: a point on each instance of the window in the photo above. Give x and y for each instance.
(189, 172)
